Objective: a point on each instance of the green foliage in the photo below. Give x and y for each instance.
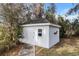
(5, 42)
(50, 17)
(76, 26)
(62, 24)
(12, 29)
(73, 9)
(50, 14)
(66, 27)
(77, 31)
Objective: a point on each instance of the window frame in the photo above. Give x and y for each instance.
(40, 32)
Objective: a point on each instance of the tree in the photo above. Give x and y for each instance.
(33, 11)
(39, 10)
(74, 9)
(12, 16)
(75, 24)
(66, 27)
(50, 13)
(61, 22)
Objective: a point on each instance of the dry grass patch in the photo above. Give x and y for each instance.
(66, 47)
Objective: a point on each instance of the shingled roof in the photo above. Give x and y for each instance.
(38, 20)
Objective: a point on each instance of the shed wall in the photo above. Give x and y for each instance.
(31, 36)
(53, 36)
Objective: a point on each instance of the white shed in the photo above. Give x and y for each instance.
(41, 34)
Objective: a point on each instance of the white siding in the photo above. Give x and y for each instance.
(53, 38)
(30, 34)
(48, 38)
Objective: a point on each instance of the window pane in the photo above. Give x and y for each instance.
(39, 32)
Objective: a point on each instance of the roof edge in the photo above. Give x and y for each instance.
(41, 24)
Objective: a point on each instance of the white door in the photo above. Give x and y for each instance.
(31, 35)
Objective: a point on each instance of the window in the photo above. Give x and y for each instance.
(55, 32)
(40, 32)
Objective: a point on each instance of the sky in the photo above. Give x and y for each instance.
(62, 9)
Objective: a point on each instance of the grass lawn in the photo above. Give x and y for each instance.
(67, 47)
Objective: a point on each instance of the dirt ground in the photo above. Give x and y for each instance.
(20, 50)
(67, 47)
